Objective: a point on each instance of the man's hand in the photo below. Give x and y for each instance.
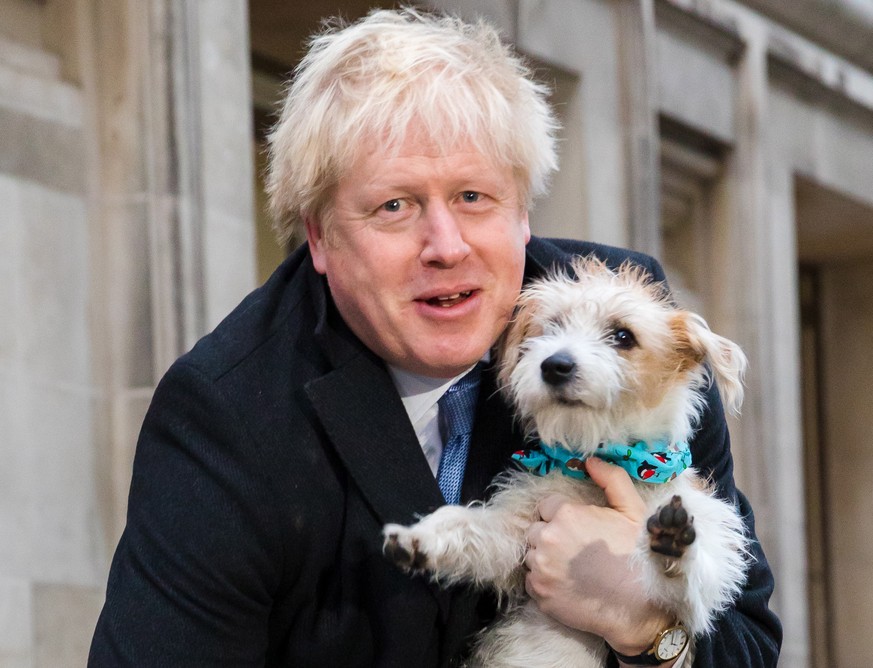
(579, 563)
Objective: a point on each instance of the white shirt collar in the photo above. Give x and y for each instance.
(418, 392)
(420, 396)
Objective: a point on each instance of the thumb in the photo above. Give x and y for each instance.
(621, 495)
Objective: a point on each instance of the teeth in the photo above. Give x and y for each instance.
(448, 300)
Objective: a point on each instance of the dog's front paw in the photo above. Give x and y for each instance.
(403, 548)
(671, 530)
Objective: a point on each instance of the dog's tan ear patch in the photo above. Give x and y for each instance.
(687, 348)
(524, 325)
(727, 362)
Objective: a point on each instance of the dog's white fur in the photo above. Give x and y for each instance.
(651, 390)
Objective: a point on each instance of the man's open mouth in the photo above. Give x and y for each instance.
(445, 301)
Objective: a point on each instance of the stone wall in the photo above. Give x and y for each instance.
(51, 560)
(848, 505)
(125, 234)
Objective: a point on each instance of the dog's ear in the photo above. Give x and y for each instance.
(696, 343)
(521, 327)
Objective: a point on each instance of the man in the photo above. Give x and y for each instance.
(409, 149)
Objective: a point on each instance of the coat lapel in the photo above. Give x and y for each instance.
(367, 424)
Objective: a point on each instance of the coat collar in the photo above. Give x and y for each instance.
(365, 421)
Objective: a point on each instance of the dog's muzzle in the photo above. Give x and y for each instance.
(558, 369)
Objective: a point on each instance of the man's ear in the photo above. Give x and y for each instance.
(525, 221)
(315, 239)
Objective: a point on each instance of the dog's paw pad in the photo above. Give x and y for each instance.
(409, 557)
(671, 530)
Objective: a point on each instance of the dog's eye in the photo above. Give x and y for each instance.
(623, 339)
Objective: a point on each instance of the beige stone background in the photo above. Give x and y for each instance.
(733, 140)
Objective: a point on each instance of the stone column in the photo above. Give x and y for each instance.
(579, 41)
(125, 234)
(637, 68)
(48, 592)
(756, 229)
(173, 237)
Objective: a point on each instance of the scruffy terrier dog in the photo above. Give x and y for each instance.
(597, 363)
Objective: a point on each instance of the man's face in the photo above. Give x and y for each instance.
(425, 254)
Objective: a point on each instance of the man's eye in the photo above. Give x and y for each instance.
(470, 196)
(392, 205)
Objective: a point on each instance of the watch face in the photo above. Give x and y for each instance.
(671, 644)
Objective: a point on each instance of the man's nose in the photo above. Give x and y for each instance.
(444, 244)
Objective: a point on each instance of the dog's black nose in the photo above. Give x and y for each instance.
(557, 369)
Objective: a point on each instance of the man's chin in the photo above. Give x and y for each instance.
(441, 367)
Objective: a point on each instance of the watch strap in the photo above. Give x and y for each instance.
(649, 657)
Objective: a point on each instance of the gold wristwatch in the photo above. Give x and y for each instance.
(668, 644)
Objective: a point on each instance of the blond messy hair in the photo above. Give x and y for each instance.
(368, 81)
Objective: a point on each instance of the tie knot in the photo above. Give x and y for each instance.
(458, 405)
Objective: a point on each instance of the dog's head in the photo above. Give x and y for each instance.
(604, 355)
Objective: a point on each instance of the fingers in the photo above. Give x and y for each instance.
(532, 561)
(560, 516)
(530, 587)
(533, 533)
(549, 506)
(617, 486)
(621, 495)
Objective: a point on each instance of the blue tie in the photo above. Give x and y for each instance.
(457, 408)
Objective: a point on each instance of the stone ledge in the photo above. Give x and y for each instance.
(63, 623)
(41, 151)
(16, 633)
(29, 60)
(40, 97)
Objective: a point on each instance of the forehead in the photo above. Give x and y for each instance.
(418, 142)
(376, 145)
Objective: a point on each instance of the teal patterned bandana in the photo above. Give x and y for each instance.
(648, 461)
